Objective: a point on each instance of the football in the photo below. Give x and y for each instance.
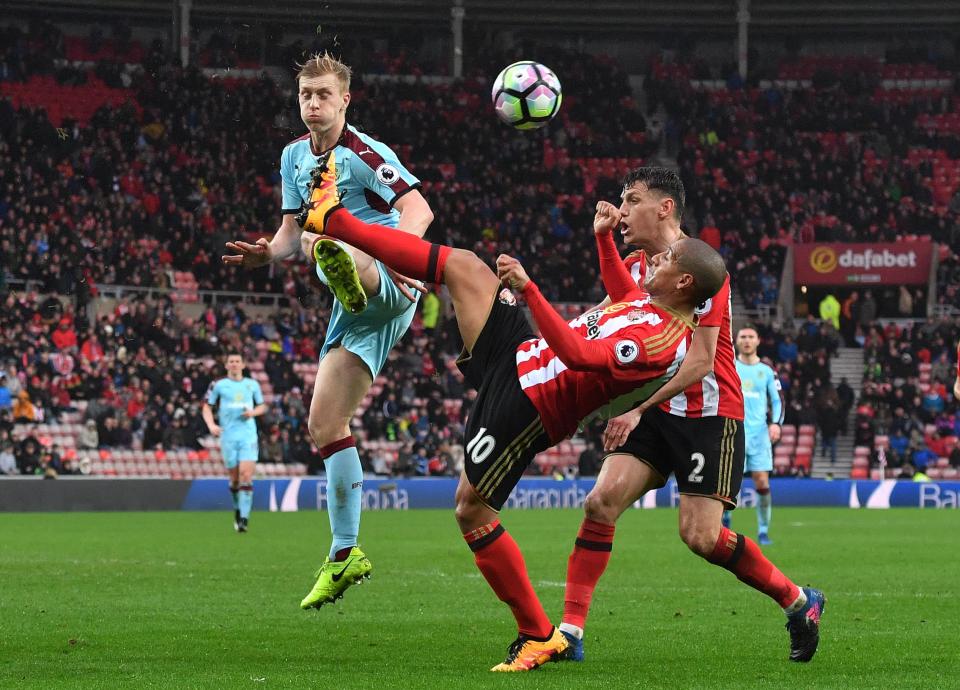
(526, 95)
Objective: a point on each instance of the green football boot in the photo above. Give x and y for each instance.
(334, 577)
(341, 271)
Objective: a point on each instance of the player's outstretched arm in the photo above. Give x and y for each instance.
(616, 278)
(284, 245)
(574, 350)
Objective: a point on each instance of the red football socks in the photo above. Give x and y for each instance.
(401, 251)
(742, 557)
(591, 553)
(499, 559)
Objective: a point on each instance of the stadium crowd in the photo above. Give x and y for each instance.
(157, 185)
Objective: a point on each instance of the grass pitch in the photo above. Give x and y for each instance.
(166, 600)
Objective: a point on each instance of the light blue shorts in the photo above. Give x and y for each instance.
(759, 456)
(371, 334)
(239, 450)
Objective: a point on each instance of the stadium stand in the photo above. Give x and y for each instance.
(136, 177)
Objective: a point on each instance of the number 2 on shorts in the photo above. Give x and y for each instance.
(695, 476)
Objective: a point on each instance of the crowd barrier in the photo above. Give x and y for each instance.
(295, 494)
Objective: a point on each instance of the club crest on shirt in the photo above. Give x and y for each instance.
(507, 297)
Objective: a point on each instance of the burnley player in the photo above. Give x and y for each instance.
(238, 400)
(372, 309)
(691, 427)
(761, 398)
(534, 392)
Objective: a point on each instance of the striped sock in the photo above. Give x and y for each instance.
(499, 559)
(591, 553)
(742, 557)
(401, 251)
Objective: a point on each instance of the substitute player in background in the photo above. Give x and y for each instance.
(373, 307)
(763, 415)
(239, 400)
(534, 392)
(692, 427)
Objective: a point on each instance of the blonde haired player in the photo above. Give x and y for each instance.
(373, 307)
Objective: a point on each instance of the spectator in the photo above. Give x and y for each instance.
(430, 310)
(24, 410)
(589, 461)
(828, 421)
(6, 401)
(420, 462)
(868, 310)
(89, 438)
(8, 461)
(905, 301)
(830, 310)
(28, 457)
(787, 350)
(850, 314)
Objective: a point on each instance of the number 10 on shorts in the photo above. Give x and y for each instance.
(480, 446)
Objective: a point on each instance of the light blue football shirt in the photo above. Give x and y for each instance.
(761, 392)
(234, 397)
(370, 177)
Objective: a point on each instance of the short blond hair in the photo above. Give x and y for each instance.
(319, 64)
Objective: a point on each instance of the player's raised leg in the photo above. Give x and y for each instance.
(349, 273)
(342, 381)
(472, 284)
(622, 480)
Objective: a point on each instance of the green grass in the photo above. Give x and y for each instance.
(180, 600)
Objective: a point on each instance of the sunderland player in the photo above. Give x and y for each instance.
(534, 392)
(239, 400)
(691, 427)
(761, 397)
(373, 306)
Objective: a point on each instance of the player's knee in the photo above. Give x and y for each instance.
(468, 508)
(323, 433)
(601, 506)
(698, 538)
(464, 262)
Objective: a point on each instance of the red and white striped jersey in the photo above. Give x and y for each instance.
(641, 346)
(720, 392)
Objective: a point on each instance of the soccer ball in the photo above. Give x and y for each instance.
(526, 95)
